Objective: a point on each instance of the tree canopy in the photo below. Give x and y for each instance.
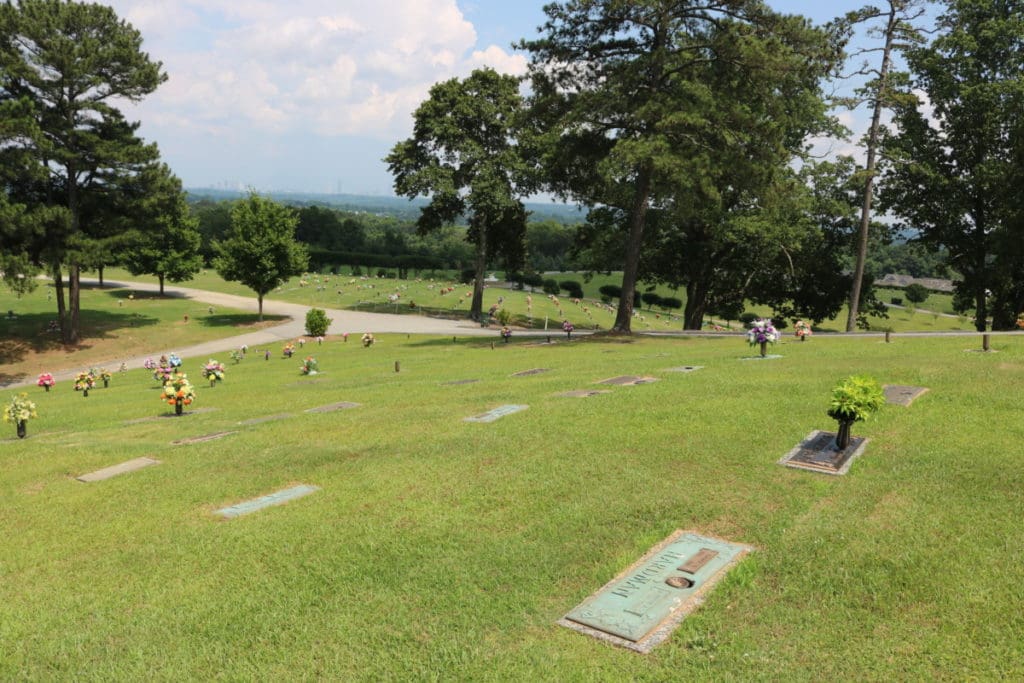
(64, 144)
(260, 250)
(463, 155)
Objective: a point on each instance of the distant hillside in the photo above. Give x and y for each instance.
(390, 206)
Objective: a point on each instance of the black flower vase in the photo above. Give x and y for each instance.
(21, 429)
(106, 383)
(85, 392)
(764, 348)
(46, 386)
(843, 437)
(178, 406)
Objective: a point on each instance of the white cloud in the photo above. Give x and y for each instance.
(333, 66)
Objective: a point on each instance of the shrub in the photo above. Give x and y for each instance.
(468, 276)
(671, 303)
(533, 280)
(610, 291)
(651, 299)
(896, 301)
(916, 293)
(747, 318)
(551, 286)
(504, 316)
(781, 324)
(572, 288)
(317, 322)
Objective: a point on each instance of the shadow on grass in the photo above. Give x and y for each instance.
(33, 333)
(125, 294)
(239, 320)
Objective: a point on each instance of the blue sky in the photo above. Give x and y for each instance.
(311, 94)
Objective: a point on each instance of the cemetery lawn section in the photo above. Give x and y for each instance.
(434, 548)
(117, 322)
(531, 309)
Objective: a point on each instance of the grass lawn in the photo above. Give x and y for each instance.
(444, 550)
(371, 294)
(115, 322)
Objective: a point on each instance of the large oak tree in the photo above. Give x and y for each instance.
(463, 155)
(635, 102)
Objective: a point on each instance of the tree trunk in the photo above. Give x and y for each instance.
(479, 265)
(74, 298)
(259, 299)
(696, 305)
(99, 271)
(624, 316)
(161, 278)
(62, 312)
(869, 181)
(980, 309)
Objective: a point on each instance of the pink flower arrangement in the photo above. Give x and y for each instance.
(46, 381)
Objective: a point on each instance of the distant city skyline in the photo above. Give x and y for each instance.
(310, 95)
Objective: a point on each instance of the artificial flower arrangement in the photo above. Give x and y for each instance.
(567, 326)
(174, 361)
(506, 333)
(310, 366)
(46, 381)
(213, 371)
(368, 339)
(178, 391)
(84, 381)
(163, 374)
(802, 330)
(289, 349)
(19, 409)
(854, 399)
(150, 364)
(102, 374)
(237, 355)
(762, 331)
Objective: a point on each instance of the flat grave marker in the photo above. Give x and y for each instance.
(341, 405)
(459, 382)
(818, 453)
(686, 368)
(534, 371)
(496, 413)
(902, 395)
(582, 393)
(266, 418)
(627, 380)
(770, 356)
(640, 607)
(201, 439)
(114, 470)
(278, 498)
(166, 416)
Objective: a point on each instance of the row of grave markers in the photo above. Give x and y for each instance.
(644, 604)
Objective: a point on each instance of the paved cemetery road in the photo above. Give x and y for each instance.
(353, 322)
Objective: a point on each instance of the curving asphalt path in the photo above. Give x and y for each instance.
(353, 322)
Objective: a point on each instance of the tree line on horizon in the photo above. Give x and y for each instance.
(682, 128)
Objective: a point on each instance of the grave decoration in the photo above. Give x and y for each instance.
(762, 333)
(103, 374)
(288, 350)
(84, 381)
(237, 355)
(179, 392)
(46, 381)
(854, 399)
(567, 326)
(213, 371)
(310, 366)
(506, 333)
(19, 411)
(802, 330)
(368, 340)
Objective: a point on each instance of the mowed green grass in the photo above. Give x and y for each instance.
(441, 549)
(531, 310)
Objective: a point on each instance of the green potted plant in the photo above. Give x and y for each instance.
(854, 399)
